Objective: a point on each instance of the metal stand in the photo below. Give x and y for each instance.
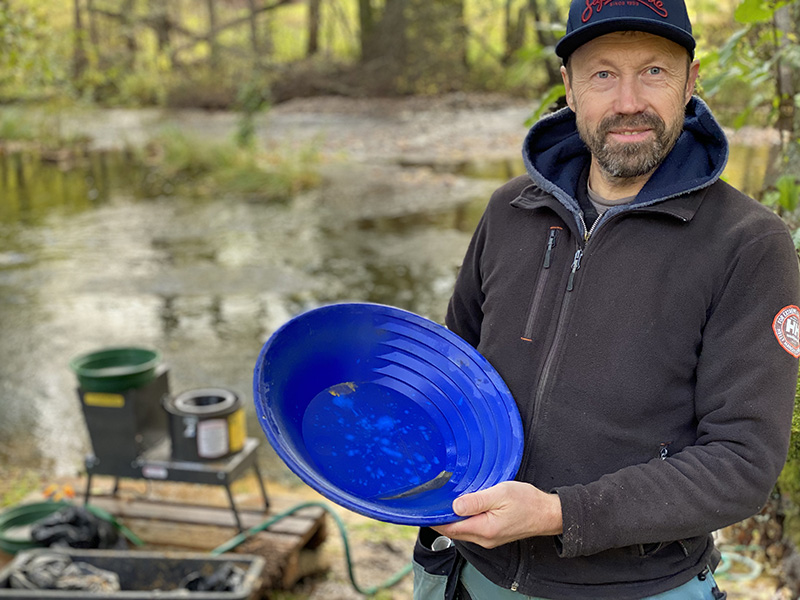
(156, 464)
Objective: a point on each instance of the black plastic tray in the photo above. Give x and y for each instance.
(144, 575)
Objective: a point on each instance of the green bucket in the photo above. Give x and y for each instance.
(115, 369)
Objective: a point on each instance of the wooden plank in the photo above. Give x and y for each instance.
(199, 537)
(296, 524)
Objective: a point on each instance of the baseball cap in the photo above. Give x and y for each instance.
(589, 19)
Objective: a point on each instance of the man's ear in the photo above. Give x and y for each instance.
(691, 81)
(567, 88)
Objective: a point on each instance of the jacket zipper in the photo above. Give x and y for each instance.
(550, 360)
(551, 355)
(541, 283)
(576, 264)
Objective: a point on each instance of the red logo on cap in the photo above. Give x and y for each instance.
(657, 6)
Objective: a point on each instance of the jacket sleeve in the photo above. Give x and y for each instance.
(745, 386)
(464, 311)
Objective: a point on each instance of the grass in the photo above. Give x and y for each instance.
(16, 484)
(15, 127)
(182, 163)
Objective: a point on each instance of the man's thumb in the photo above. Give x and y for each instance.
(471, 504)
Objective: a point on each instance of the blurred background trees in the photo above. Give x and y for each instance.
(197, 52)
(247, 54)
(202, 52)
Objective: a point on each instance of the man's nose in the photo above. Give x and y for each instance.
(630, 98)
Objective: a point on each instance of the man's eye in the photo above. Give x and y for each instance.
(603, 75)
(654, 71)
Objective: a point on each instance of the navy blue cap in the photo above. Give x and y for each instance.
(589, 19)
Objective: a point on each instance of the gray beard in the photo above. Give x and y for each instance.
(633, 159)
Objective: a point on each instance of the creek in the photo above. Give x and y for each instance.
(86, 262)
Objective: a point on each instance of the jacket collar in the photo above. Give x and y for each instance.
(554, 157)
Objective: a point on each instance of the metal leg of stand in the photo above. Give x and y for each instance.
(233, 507)
(88, 488)
(261, 485)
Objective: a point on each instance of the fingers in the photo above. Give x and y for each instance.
(504, 513)
(476, 529)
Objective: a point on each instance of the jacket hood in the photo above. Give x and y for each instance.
(555, 157)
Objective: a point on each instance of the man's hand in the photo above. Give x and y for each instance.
(507, 512)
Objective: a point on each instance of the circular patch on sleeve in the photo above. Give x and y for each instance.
(787, 329)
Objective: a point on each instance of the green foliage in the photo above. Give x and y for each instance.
(794, 448)
(14, 127)
(546, 102)
(253, 98)
(17, 484)
(789, 481)
(741, 79)
(180, 163)
(24, 59)
(785, 195)
(756, 11)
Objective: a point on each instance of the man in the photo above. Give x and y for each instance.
(644, 316)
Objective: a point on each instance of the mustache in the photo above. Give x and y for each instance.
(640, 120)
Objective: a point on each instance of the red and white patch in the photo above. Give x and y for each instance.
(787, 329)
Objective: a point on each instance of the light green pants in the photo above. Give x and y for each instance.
(480, 588)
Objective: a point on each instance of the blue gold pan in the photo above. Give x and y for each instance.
(384, 412)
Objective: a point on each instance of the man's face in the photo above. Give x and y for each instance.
(629, 91)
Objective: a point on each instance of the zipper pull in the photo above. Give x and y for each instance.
(551, 243)
(576, 264)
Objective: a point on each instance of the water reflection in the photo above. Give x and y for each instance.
(87, 263)
(34, 187)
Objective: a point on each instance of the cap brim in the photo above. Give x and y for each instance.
(572, 41)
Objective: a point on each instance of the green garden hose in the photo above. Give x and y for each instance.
(748, 570)
(370, 591)
(28, 514)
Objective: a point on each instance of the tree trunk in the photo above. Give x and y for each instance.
(515, 31)
(366, 21)
(160, 18)
(418, 46)
(542, 20)
(212, 33)
(786, 80)
(313, 27)
(785, 159)
(254, 30)
(79, 50)
(94, 38)
(129, 33)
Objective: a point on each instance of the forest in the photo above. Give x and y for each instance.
(246, 55)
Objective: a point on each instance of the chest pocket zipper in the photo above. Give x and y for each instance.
(541, 283)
